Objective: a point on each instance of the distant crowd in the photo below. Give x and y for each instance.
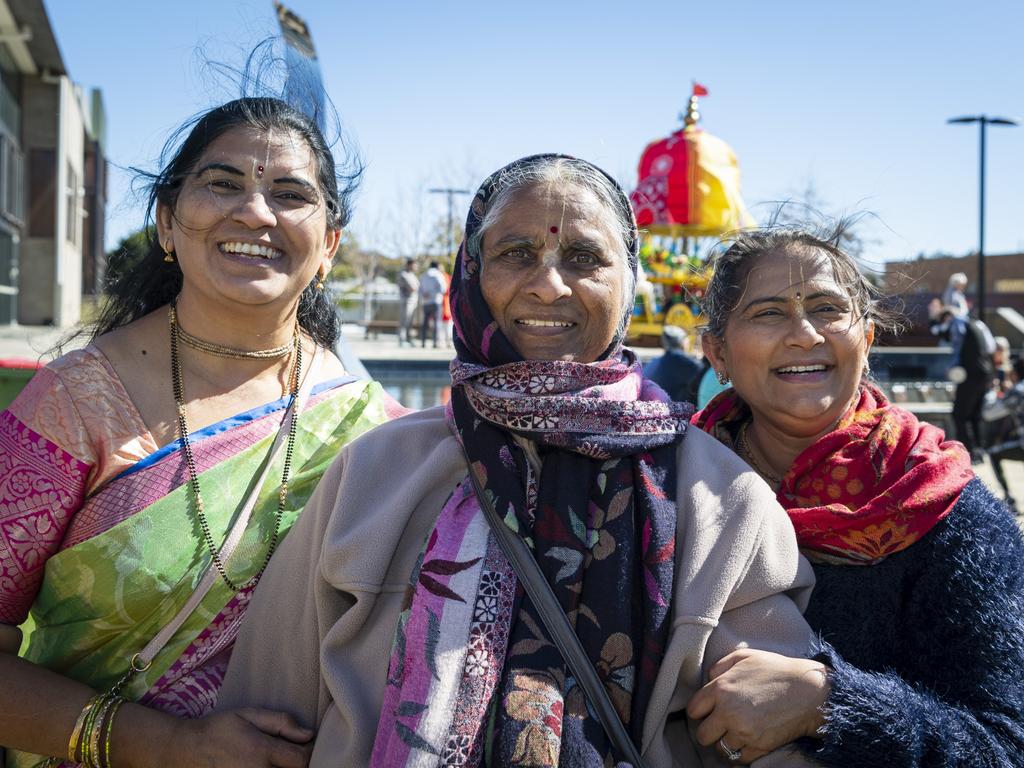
(430, 294)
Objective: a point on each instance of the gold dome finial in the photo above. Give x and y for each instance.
(692, 116)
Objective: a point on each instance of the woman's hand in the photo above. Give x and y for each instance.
(757, 701)
(239, 738)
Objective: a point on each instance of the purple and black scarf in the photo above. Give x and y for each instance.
(473, 672)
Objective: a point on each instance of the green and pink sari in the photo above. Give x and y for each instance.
(97, 534)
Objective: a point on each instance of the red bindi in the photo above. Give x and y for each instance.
(554, 230)
(259, 170)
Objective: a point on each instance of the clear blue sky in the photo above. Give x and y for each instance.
(849, 97)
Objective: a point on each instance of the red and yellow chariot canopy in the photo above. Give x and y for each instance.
(689, 183)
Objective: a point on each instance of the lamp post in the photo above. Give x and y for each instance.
(983, 121)
(451, 197)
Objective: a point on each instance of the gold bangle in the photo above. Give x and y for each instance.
(95, 734)
(76, 733)
(110, 729)
(87, 731)
(90, 720)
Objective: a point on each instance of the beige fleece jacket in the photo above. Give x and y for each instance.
(317, 637)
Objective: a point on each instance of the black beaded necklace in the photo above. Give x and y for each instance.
(193, 477)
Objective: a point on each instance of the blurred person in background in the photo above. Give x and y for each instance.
(446, 311)
(675, 370)
(1002, 363)
(971, 371)
(433, 285)
(408, 296)
(953, 295)
(1005, 415)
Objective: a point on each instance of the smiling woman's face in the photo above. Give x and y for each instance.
(249, 225)
(795, 345)
(553, 273)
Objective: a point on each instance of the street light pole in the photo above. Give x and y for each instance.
(450, 193)
(983, 122)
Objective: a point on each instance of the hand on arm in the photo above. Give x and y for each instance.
(240, 738)
(39, 708)
(758, 701)
(762, 613)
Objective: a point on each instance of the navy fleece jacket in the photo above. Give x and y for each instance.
(927, 647)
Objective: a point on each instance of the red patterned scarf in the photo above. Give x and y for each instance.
(872, 486)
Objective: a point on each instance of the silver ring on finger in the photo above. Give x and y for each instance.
(732, 754)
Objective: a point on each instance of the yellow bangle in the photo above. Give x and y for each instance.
(96, 732)
(110, 730)
(86, 740)
(76, 734)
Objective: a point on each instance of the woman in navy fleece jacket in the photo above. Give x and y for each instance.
(920, 569)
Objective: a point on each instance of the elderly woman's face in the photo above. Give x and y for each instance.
(554, 273)
(795, 346)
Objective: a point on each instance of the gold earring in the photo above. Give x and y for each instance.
(320, 281)
(168, 255)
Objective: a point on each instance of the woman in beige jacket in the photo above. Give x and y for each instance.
(391, 620)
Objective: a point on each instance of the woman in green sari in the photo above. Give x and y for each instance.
(146, 479)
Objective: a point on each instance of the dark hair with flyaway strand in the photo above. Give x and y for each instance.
(140, 288)
(742, 251)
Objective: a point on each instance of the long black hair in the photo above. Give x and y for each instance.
(141, 287)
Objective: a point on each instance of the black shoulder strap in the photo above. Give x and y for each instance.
(562, 633)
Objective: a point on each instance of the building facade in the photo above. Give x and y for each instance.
(1004, 277)
(912, 285)
(52, 176)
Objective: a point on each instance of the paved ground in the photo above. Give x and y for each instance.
(36, 343)
(1014, 471)
(28, 342)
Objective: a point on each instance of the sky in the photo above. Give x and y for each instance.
(847, 98)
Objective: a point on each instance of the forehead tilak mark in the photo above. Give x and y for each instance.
(262, 164)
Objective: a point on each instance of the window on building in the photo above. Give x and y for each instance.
(42, 169)
(8, 277)
(73, 205)
(11, 196)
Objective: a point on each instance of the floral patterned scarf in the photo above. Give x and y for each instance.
(872, 486)
(473, 673)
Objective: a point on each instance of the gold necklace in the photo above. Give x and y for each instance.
(193, 476)
(744, 445)
(221, 351)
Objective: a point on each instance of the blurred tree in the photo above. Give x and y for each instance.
(349, 260)
(437, 243)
